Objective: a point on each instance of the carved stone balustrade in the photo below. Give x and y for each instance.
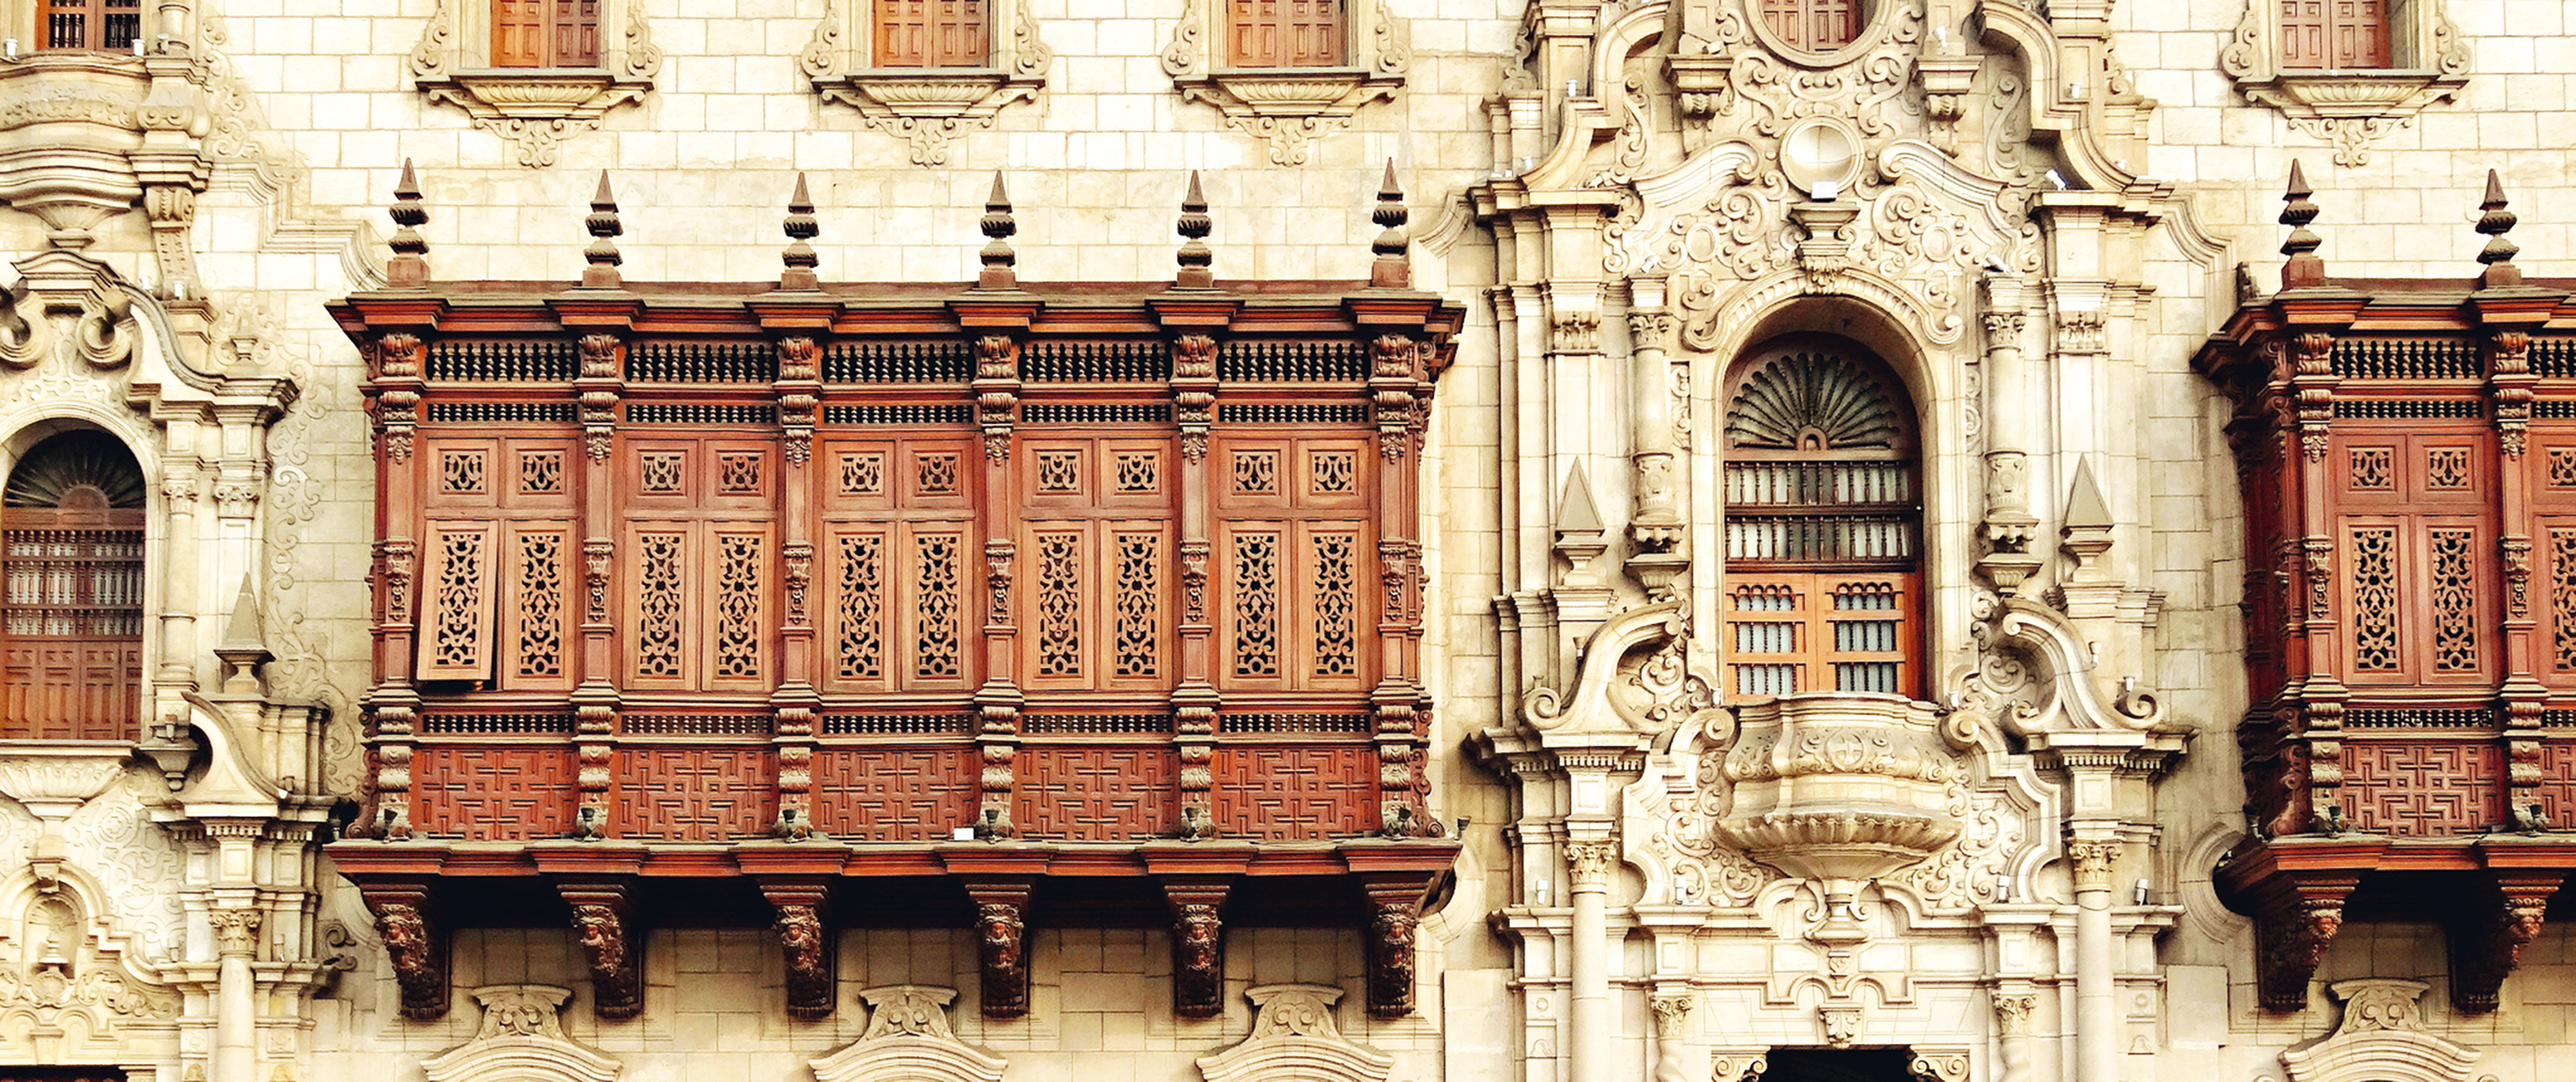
(701, 602)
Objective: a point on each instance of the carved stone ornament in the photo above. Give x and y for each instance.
(536, 109)
(2350, 107)
(522, 1039)
(1293, 1036)
(2381, 1037)
(416, 948)
(604, 926)
(927, 107)
(1290, 108)
(908, 1038)
(1843, 788)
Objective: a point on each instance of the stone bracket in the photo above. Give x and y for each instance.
(1001, 916)
(612, 942)
(1395, 909)
(805, 947)
(407, 922)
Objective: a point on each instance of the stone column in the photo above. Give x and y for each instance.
(2010, 523)
(179, 558)
(1589, 863)
(236, 929)
(2097, 1002)
(1655, 523)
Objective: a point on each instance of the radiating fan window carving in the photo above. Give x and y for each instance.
(1823, 524)
(71, 591)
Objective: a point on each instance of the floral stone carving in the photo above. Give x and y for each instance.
(536, 109)
(2381, 1037)
(1293, 1036)
(1290, 108)
(908, 1039)
(930, 107)
(1841, 788)
(523, 1040)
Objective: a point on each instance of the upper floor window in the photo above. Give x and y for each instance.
(931, 34)
(71, 590)
(545, 33)
(1816, 26)
(92, 24)
(1823, 524)
(2334, 34)
(1284, 33)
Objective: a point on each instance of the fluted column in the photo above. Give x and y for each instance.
(1589, 863)
(2097, 1003)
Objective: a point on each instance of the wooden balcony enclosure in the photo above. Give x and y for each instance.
(896, 604)
(2407, 456)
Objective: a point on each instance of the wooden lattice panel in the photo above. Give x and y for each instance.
(693, 794)
(1098, 793)
(1297, 792)
(493, 793)
(900, 794)
(2423, 788)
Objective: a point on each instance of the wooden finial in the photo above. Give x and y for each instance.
(800, 227)
(2304, 268)
(1000, 262)
(1194, 257)
(1390, 270)
(2498, 254)
(409, 268)
(603, 224)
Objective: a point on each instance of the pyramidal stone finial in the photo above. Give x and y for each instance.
(1390, 270)
(1195, 258)
(2495, 221)
(604, 227)
(1001, 264)
(409, 267)
(2305, 268)
(800, 227)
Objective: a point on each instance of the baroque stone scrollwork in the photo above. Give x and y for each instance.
(536, 109)
(1293, 1036)
(522, 1037)
(2350, 108)
(2381, 1035)
(908, 1038)
(1289, 108)
(928, 108)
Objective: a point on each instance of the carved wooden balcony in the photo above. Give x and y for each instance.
(886, 604)
(2407, 453)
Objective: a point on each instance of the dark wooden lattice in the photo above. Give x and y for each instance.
(71, 591)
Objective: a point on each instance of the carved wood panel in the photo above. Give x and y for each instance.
(2424, 788)
(456, 601)
(1300, 792)
(2418, 598)
(900, 563)
(1097, 793)
(493, 793)
(693, 793)
(896, 794)
(2558, 781)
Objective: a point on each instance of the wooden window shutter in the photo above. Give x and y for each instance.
(456, 602)
(576, 34)
(903, 34)
(2360, 34)
(1813, 25)
(110, 25)
(2319, 34)
(545, 33)
(1284, 33)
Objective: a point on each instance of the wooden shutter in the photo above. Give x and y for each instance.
(2360, 34)
(1284, 33)
(1813, 25)
(2318, 34)
(456, 601)
(930, 34)
(545, 33)
(110, 25)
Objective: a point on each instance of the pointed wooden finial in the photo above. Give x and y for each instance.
(800, 227)
(1390, 270)
(1195, 258)
(603, 224)
(2304, 268)
(2495, 222)
(1000, 262)
(409, 267)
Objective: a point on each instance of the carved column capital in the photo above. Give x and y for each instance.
(236, 928)
(1589, 863)
(1672, 1016)
(2091, 863)
(2012, 1012)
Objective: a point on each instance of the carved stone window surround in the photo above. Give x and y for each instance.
(928, 107)
(535, 109)
(1290, 108)
(2349, 107)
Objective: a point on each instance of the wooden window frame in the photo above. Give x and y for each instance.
(104, 26)
(566, 33)
(947, 34)
(1811, 25)
(95, 692)
(1287, 33)
(2337, 35)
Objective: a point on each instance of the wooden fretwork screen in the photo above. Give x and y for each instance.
(109, 25)
(71, 591)
(1823, 577)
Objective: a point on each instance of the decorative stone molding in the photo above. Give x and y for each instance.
(523, 1040)
(908, 1038)
(535, 109)
(2381, 1039)
(927, 107)
(1290, 108)
(2350, 108)
(1293, 1036)
(1843, 787)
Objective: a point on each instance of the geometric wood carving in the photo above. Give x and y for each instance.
(613, 945)
(407, 921)
(1001, 909)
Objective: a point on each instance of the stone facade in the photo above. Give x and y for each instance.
(2033, 218)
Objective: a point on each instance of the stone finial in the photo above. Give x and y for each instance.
(1000, 262)
(2304, 268)
(2495, 222)
(800, 227)
(409, 268)
(1390, 270)
(603, 225)
(1195, 258)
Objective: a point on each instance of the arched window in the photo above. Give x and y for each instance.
(1817, 26)
(71, 591)
(1823, 524)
